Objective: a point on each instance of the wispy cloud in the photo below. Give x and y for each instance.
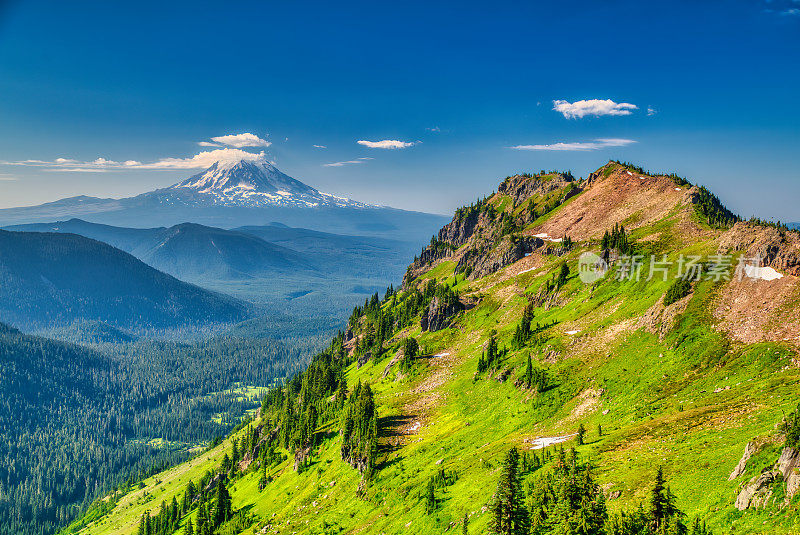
(651, 111)
(386, 144)
(201, 160)
(7, 178)
(597, 144)
(241, 140)
(208, 144)
(433, 129)
(594, 107)
(347, 162)
(320, 146)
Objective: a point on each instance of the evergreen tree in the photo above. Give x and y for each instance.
(189, 528)
(222, 504)
(509, 515)
(430, 497)
(465, 525)
(581, 434)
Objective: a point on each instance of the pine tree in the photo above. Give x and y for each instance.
(509, 515)
(222, 504)
(581, 434)
(465, 525)
(430, 497)
(529, 373)
(599, 430)
(189, 528)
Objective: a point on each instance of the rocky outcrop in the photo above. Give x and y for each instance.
(757, 492)
(776, 248)
(749, 450)
(439, 313)
(487, 259)
(363, 359)
(522, 187)
(789, 466)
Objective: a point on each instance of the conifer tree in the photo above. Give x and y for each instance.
(465, 525)
(509, 515)
(189, 528)
(581, 434)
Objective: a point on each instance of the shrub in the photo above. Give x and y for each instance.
(679, 289)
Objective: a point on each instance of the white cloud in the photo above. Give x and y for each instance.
(208, 144)
(7, 178)
(579, 146)
(198, 161)
(348, 162)
(320, 146)
(241, 140)
(595, 107)
(434, 129)
(791, 12)
(651, 111)
(386, 144)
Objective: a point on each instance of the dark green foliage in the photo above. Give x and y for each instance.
(78, 421)
(677, 290)
(567, 243)
(662, 516)
(581, 434)
(410, 352)
(493, 355)
(465, 525)
(566, 499)
(791, 428)
(617, 239)
(523, 331)
(360, 430)
(563, 275)
(712, 209)
(430, 497)
(509, 514)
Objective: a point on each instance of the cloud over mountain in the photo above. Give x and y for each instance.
(579, 146)
(386, 144)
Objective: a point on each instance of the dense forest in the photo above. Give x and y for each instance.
(76, 422)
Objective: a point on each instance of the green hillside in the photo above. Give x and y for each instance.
(396, 429)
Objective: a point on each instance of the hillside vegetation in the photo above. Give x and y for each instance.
(497, 392)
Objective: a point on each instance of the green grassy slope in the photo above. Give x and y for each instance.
(688, 399)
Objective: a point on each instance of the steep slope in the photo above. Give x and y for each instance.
(236, 193)
(55, 279)
(495, 341)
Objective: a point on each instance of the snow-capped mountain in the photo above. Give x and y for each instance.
(233, 194)
(247, 183)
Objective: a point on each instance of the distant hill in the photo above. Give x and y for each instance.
(318, 271)
(50, 279)
(232, 194)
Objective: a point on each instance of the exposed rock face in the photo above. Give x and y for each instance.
(776, 249)
(487, 259)
(789, 466)
(363, 359)
(439, 314)
(520, 187)
(757, 492)
(487, 236)
(749, 449)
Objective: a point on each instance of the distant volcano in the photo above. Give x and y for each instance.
(247, 184)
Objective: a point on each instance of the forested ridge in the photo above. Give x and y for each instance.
(76, 422)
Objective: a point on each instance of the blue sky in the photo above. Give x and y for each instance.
(464, 83)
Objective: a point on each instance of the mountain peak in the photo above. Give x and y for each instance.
(253, 182)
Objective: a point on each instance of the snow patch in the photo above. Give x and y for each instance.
(526, 271)
(572, 332)
(543, 442)
(764, 273)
